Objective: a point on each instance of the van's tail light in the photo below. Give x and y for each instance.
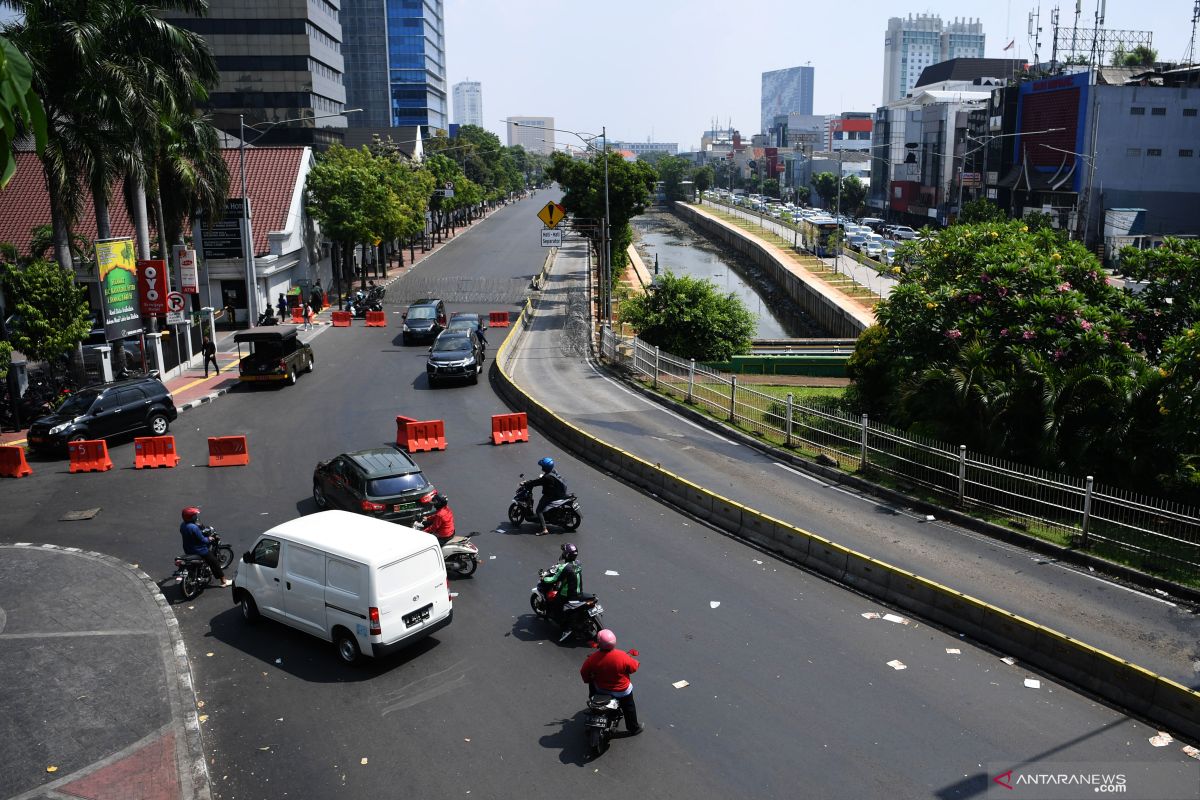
(367, 505)
(373, 615)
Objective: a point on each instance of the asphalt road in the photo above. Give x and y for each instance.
(790, 693)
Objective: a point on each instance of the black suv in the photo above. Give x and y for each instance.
(455, 355)
(382, 482)
(424, 320)
(104, 410)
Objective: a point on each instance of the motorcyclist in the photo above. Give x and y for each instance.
(607, 671)
(566, 579)
(553, 488)
(196, 543)
(441, 522)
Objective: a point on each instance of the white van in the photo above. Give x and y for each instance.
(369, 586)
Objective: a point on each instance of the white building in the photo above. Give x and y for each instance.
(468, 103)
(535, 134)
(910, 45)
(642, 148)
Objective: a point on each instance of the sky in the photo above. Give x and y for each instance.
(664, 69)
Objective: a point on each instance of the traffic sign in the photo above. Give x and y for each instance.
(175, 302)
(552, 214)
(551, 238)
(177, 318)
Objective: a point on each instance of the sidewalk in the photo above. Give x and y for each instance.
(97, 694)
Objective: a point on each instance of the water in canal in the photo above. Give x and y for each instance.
(685, 251)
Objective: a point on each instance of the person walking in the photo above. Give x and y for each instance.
(308, 314)
(317, 299)
(607, 671)
(210, 354)
(283, 307)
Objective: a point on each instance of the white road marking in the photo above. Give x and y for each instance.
(653, 404)
(804, 475)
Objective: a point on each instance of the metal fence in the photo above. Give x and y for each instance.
(1148, 533)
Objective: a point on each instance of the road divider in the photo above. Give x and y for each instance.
(509, 428)
(498, 319)
(376, 319)
(298, 316)
(89, 455)
(13, 464)
(341, 319)
(228, 451)
(154, 451)
(420, 435)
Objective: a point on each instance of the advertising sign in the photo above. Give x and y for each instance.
(118, 288)
(153, 287)
(189, 281)
(224, 239)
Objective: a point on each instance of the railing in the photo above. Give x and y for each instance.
(1148, 533)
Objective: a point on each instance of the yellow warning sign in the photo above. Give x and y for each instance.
(552, 214)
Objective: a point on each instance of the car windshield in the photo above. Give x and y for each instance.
(462, 324)
(395, 484)
(78, 403)
(422, 312)
(450, 344)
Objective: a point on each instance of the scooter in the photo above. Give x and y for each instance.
(193, 573)
(459, 552)
(580, 617)
(565, 513)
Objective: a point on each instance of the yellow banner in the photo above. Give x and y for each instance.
(117, 265)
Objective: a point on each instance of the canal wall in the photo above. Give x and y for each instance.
(837, 313)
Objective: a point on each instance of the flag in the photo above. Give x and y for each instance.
(1009, 46)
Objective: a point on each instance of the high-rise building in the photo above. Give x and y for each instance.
(910, 45)
(535, 134)
(786, 91)
(468, 103)
(395, 62)
(286, 66)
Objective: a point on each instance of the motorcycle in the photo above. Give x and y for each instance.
(565, 513)
(459, 552)
(193, 573)
(581, 617)
(603, 718)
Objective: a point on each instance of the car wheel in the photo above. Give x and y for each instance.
(292, 377)
(77, 437)
(406, 339)
(475, 375)
(312, 364)
(159, 424)
(249, 608)
(432, 382)
(347, 647)
(319, 496)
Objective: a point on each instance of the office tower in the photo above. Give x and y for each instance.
(468, 103)
(284, 67)
(910, 45)
(786, 91)
(395, 63)
(533, 133)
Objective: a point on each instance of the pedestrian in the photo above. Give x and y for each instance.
(308, 314)
(231, 313)
(283, 306)
(607, 671)
(210, 354)
(315, 299)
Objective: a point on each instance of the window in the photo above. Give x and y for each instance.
(1133, 151)
(1189, 112)
(266, 553)
(1158, 112)
(1137, 111)
(1153, 151)
(1185, 153)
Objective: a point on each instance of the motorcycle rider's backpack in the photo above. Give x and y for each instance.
(562, 486)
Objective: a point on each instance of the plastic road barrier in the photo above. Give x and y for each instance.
(89, 455)
(376, 319)
(154, 451)
(228, 451)
(341, 319)
(12, 462)
(498, 319)
(508, 428)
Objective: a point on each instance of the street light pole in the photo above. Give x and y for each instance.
(607, 234)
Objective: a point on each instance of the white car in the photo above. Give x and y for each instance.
(872, 249)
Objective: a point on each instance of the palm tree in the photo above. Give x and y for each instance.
(192, 176)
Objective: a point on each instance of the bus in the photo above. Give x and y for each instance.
(819, 235)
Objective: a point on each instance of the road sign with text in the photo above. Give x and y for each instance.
(552, 214)
(551, 238)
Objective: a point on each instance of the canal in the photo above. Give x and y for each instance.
(684, 251)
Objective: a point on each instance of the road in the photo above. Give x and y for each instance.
(790, 693)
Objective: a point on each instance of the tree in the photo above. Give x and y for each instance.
(672, 171)
(52, 310)
(346, 198)
(690, 318)
(826, 186)
(854, 194)
(20, 108)
(981, 210)
(1169, 305)
(1140, 56)
(703, 179)
(803, 195)
(770, 187)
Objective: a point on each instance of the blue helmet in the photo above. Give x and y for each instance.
(546, 464)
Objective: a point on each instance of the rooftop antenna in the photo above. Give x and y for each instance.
(1096, 56)
(1191, 52)
(1035, 32)
(1054, 38)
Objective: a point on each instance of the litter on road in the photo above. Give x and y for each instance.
(679, 684)
(895, 618)
(714, 603)
(1009, 660)
(1162, 740)
(870, 615)
(897, 664)
(954, 651)
(1033, 683)
(611, 572)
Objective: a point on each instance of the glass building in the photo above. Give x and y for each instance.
(395, 55)
(786, 91)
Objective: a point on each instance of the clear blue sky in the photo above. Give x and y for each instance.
(667, 67)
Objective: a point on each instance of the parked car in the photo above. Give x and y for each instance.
(423, 321)
(888, 256)
(855, 240)
(872, 249)
(382, 482)
(275, 354)
(454, 355)
(903, 232)
(104, 410)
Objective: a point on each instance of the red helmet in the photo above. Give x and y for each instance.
(190, 514)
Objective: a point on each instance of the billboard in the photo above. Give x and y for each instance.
(189, 281)
(153, 287)
(224, 238)
(118, 288)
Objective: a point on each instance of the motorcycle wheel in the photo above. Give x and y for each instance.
(464, 565)
(571, 519)
(594, 627)
(597, 742)
(225, 556)
(514, 514)
(539, 608)
(191, 587)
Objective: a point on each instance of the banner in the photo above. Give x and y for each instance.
(153, 287)
(118, 288)
(189, 281)
(224, 238)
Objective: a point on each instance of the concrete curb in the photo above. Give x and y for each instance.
(208, 398)
(1108, 677)
(190, 761)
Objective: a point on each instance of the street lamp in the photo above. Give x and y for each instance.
(606, 250)
(247, 238)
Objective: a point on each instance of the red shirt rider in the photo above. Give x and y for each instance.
(441, 524)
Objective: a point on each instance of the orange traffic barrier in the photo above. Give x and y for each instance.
(498, 319)
(325, 299)
(298, 315)
(89, 455)
(154, 451)
(417, 435)
(341, 319)
(508, 428)
(376, 319)
(228, 451)
(12, 462)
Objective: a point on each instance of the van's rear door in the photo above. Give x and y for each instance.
(411, 594)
